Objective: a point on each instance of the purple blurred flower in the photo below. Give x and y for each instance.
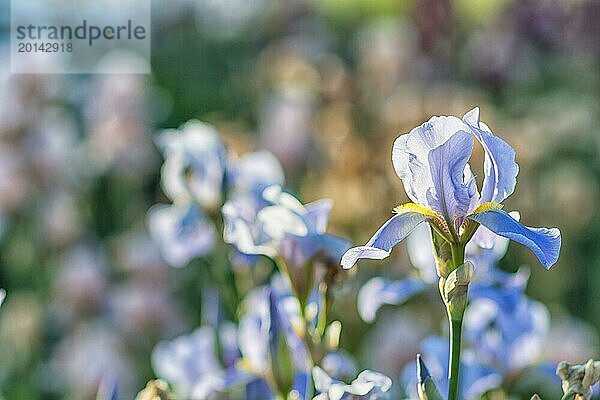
(504, 334)
(195, 162)
(181, 232)
(253, 172)
(282, 227)
(369, 385)
(196, 174)
(269, 334)
(507, 336)
(476, 379)
(432, 161)
(191, 363)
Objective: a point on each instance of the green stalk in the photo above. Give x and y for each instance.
(458, 256)
(454, 366)
(455, 307)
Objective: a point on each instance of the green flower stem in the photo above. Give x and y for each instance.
(458, 256)
(455, 306)
(454, 367)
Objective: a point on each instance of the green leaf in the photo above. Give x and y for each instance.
(425, 384)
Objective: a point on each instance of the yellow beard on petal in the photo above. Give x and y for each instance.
(434, 218)
(490, 205)
(412, 207)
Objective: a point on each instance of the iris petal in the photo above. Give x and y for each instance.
(391, 233)
(500, 167)
(379, 291)
(431, 160)
(451, 197)
(544, 242)
(317, 213)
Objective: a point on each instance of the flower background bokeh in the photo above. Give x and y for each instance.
(326, 86)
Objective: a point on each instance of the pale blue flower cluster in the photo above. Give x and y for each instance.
(264, 353)
(281, 343)
(196, 175)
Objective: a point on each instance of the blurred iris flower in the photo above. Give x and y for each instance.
(197, 174)
(504, 335)
(264, 353)
(269, 335)
(182, 232)
(192, 365)
(194, 166)
(369, 385)
(279, 226)
(432, 162)
(476, 378)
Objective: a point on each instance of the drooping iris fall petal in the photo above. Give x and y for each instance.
(391, 233)
(544, 242)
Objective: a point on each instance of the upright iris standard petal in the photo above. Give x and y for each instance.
(391, 233)
(317, 213)
(500, 167)
(254, 172)
(544, 242)
(451, 196)
(426, 175)
(194, 164)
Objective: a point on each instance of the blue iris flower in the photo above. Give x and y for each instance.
(191, 363)
(476, 377)
(198, 172)
(369, 385)
(508, 336)
(211, 361)
(195, 164)
(271, 317)
(432, 162)
(278, 225)
(182, 232)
